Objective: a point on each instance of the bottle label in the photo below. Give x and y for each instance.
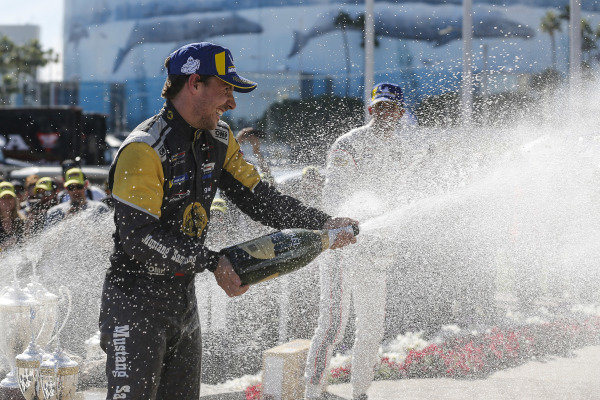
(262, 248)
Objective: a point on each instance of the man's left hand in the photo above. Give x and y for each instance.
(227, 278)
(343, 238)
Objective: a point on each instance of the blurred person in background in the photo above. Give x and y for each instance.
(22, 195)
(253, 136)
(247, 227)
(12, 222)
(42, 199)
(69, 163)
(30, 182)
(92, 192)
(108, 201)
(307, 187)
(76, 186)
(365, 160)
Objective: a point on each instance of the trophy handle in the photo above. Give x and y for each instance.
(45, 320)
(64, 293)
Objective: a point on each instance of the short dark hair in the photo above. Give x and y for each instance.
(174, 83)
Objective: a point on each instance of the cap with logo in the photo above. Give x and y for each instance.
(206, 58)
(6, 188)
(219, 205)
(45, 184)
(74, 176)
(387, 92)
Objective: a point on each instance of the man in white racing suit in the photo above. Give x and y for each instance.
(363, 180)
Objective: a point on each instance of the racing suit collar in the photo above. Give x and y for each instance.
(186, 132)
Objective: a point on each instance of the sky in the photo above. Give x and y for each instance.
(48, 15)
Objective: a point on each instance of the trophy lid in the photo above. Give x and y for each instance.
(59, 360)
(15, 297)
(31, 357)
(40, 293)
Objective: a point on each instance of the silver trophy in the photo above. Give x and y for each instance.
(35, 374)
(15, 328)
(47, 376)
(48, 304)
(28, 365)
(46, 313)
(58, 377)
(58, 374)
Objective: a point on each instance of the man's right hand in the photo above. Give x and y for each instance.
(343, 238)
(227, 278)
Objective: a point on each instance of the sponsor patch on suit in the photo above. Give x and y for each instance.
(221, 135)
(180, 179)
(178, 158)
(179, 196)
(207, 170)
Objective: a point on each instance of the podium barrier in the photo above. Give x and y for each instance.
(283, 366)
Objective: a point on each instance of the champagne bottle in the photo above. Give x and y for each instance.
(279, 253)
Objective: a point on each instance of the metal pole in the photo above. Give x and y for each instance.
(467, 78)
(369, 52)
(575, 44)
(284, 309)
(52, 97)
(485, 83)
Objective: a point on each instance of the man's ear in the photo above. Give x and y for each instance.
(193, 82)
(370, 110)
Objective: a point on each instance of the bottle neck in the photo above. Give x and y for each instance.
(327, 239)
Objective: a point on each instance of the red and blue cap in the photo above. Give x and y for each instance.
(387, 92)
(206, 58)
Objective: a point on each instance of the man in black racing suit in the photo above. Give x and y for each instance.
(163, 181)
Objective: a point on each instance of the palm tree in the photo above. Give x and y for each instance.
(550, 24)
(359, 23)
(343, 21)
(589, 39)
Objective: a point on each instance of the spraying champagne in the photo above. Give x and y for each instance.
(279, 253)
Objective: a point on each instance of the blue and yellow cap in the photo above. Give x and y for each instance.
(206, 58)
(387, 92)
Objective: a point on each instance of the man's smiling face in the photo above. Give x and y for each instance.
(211, 100)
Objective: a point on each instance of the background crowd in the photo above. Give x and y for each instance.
(39, 202)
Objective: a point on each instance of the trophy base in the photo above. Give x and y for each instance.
(10, 393)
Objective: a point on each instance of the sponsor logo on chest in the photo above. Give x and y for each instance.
(179, 196)
(221, 134)
(207, 170)
(178, 180)
(178, 158)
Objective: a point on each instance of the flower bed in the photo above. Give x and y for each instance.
(480, 354)
(254, 392)
(475, 355)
